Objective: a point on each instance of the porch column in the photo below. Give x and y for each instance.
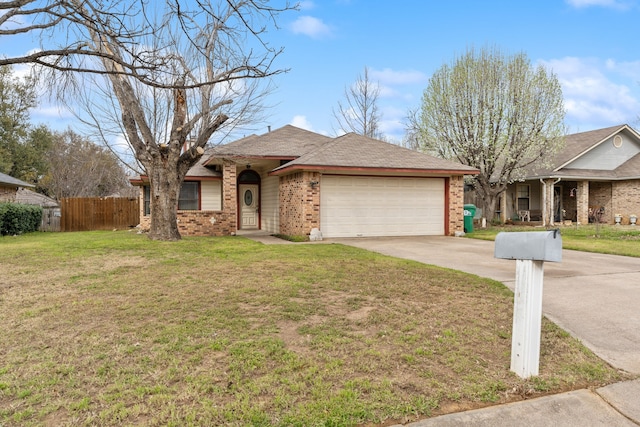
(544, 206)
(582, 202)
(548, 213)
(229, 198)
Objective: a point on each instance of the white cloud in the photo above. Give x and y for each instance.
(598, 93)
(312, 27)
(615, 4)
(52, 111)
(302, 123)
(392, 123)
(391, 83)
(627, 69)
(306, 5)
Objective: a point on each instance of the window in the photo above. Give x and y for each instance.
(147, 200)
(249, 177)
(522, 191)
(189, 199)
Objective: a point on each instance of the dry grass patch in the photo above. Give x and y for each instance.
(111, 329)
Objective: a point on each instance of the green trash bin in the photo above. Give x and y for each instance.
(469, 213)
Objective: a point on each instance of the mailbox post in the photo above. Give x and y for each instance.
(530, 250)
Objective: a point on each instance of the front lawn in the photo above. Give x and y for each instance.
(110, 328)
(606, 239)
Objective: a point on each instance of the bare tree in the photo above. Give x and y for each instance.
(79, 167)
(493, 112)
(359, 112)
(166, 74)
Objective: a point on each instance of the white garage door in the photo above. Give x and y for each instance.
(355, 206)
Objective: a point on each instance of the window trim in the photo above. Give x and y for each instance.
(196, 200)
(519, 197)
(146, 198)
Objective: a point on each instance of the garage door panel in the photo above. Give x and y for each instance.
(381, 206)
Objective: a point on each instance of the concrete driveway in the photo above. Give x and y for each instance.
(594, 297)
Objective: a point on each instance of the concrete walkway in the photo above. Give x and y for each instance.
(594, 297)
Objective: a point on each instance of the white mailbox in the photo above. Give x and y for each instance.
(530, 250)
(533, 245)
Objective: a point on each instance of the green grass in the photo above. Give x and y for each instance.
(111, 328)
(606, 239)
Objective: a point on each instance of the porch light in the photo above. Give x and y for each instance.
(313, 184)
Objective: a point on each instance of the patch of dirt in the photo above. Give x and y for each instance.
(359, 314)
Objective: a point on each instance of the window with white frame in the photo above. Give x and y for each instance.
(523, 197)
(189, 199)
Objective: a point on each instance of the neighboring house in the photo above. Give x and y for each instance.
(595, 177)
(291, 181)
(14, 190)
(9, 187)
(51, 213)
(29, 197)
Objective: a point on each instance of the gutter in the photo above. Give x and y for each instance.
(320, 168)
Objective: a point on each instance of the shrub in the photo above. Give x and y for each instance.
(17, 218)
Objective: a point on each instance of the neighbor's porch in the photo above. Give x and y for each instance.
(553, 201)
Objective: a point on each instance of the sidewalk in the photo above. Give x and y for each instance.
(614, 405)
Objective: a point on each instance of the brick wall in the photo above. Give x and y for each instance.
(299, 203)
(7, 194)
(582, 202)
(626, 199)
(207, 223)
(456, 204)
(600, 195)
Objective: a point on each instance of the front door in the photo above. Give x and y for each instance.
(249, 206)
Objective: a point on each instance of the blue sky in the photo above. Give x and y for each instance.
(591, 45)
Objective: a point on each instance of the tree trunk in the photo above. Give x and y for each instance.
(165, 191)
(490, 194)
(491, 203)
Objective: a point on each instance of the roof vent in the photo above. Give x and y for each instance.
(617, 141)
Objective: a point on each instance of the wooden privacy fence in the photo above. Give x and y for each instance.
(50, 219)
(99, 213)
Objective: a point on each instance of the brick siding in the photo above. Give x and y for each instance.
(299, 203)
(456, 204)
(7, 194)
(582, 202)
(626, 199)
(600, 195)
(206, 223)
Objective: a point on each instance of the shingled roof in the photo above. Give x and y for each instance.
(578, 144)
(360, 152)
(287, 142)
(311, 151)
(13, 182)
